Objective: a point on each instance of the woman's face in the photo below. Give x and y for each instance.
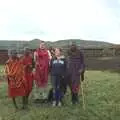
(57, 52)
(42, 46)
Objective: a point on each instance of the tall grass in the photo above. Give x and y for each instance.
(2, 71)
(102, 98)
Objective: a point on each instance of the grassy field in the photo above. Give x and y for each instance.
(1, 70)
(102, 98)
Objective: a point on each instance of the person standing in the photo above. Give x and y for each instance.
(58, 69)
(75, 71)
(28, 74)
(15, 76)
(42, 59)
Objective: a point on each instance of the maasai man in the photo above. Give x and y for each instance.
(75, 71)
(42, 59)
(28, 74)
(15, 77)
(58, 69)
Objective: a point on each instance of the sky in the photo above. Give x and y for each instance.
(60, 19)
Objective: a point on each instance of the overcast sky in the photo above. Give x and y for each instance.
(60, 19)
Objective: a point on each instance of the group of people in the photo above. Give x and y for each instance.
(24, 70)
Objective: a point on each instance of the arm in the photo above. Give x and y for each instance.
(82, 62)
(49, 55)
(35, 56)
(82, 65)
(6, 72)
(50, 65)
(65, 65)
(34, 60)
(82, 70)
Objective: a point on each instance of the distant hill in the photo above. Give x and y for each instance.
(7, 44)
(82, 43)
(33, 44)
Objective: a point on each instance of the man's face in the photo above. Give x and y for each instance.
(73, 47)
(42, 46)
(27, 52)
(14, 56)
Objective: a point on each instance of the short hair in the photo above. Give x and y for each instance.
(12, 52)
(42, 41)
(59, 49)
(26, 49)
(21, 51)
(73, 44)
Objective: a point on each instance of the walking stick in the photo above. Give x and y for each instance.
(82, 90)
(83, 97)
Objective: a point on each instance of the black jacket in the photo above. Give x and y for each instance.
(58, 67)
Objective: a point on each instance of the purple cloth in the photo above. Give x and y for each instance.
(75, 64)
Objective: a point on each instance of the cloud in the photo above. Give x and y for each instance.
(57, 19)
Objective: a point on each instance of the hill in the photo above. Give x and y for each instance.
(6, 44)
(82, 43)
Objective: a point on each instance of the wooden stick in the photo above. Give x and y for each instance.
(83, 97)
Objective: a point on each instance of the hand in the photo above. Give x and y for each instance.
(33, 70)
(82, 77)
(80, 71)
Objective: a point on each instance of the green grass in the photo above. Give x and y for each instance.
(2, 71)
(102, 98)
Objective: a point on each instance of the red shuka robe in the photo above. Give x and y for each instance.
(28, 75)
(42, 66)
(15, 75)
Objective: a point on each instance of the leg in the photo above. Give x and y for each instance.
(73, 98)
(58, 91)
(70, 84)
(53, 81)
(14, 102)
(24, 102)
(63, 86)
(27, 97)
(75, 91)
(50, 95)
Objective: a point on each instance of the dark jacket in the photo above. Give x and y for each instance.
(58, 67)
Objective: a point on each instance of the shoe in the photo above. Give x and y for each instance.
(59, 104)
(54, 103)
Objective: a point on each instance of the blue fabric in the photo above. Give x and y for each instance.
(57, 93)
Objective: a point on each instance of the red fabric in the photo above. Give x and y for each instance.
(42, 66)
(75, 88)
(14, 92)
(28, 75)
(27, 62)
(15, 75)
(29, 82)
